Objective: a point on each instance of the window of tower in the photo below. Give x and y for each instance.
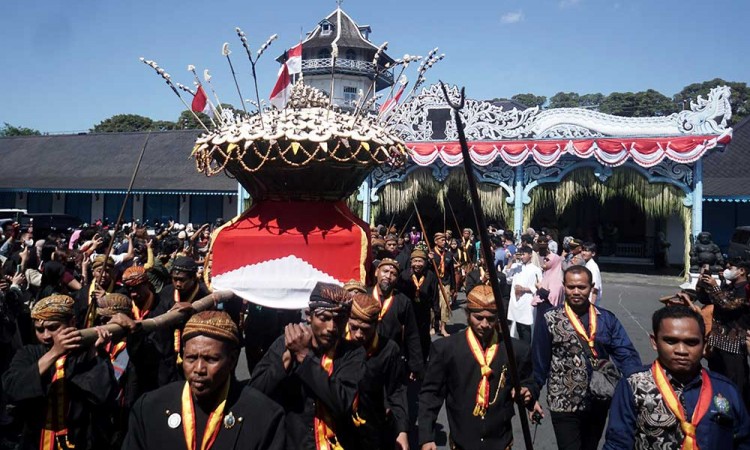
(350, 95)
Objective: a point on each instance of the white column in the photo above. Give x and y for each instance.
(518, 202)
(697, 197)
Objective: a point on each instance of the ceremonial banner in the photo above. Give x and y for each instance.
(274, 253)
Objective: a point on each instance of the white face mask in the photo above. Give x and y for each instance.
(730, 274)
(29, 243)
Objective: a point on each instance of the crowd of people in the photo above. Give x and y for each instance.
(366, 365)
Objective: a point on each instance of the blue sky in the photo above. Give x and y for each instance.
(70, 64)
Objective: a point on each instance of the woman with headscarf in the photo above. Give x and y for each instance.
(549, 292)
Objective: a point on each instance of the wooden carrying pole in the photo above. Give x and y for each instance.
(432, 260)
(168, 319)
(491, 268)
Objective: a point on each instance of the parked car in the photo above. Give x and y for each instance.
(44, 223)
(739, 245)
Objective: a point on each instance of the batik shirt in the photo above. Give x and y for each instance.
(561, 362)
(639, 418)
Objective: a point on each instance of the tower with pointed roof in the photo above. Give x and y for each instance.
(354, 70)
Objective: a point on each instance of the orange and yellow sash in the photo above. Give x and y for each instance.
(578, 326)
(690, 442)
(116, 349)
(418, 285)
(441, 268)
(178, 332)
(484, 359)
(325, 438)
(214, 419)
(57, 409)
(386, 303)
(139, 314)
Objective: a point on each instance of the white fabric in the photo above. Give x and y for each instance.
(597, 275)
(520, 309)
(294, 63)
(269, 283)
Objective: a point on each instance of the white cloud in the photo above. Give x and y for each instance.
(512, 17)
(568, 3)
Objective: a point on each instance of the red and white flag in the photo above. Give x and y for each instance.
(199, 100)
(283, 89)
(391, 103)
(294, 59)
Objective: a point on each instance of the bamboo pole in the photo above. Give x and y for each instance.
(170, 318)
(91, 310)
(492, 269)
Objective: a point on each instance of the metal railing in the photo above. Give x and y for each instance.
(345, 65)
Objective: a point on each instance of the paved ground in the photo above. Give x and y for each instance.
(632, 297)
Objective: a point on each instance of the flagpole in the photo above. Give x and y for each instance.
(207, 77)
(492, 269)
(168, 79)
(191, 68)
(190, 91)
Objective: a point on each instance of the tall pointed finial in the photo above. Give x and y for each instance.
(338, 3)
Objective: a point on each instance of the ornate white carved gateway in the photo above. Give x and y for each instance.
(426, 124)
(520, 150)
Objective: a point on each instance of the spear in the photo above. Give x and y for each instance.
(226, 52)
(253, 61)
(484, 238)
(406, 224)
(91, 310)
(168, 79)
(191, 68)
(434, 265)
(182, 87)
(207, 78)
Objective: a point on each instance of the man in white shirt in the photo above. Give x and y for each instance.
(588, 253)
(522, 290)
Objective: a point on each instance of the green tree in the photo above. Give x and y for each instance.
(163, 125)
(591, 100)
(565, 100)
(530, 100)
(11, 130)
(187, 121)
(740, 98)
(637, 104)
(124, 122)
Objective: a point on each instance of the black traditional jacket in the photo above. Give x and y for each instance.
(453, 376)
(251, 421)
(400, 325)
(89, 386)
(307, 383)
(381, 388)
(424, 302)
